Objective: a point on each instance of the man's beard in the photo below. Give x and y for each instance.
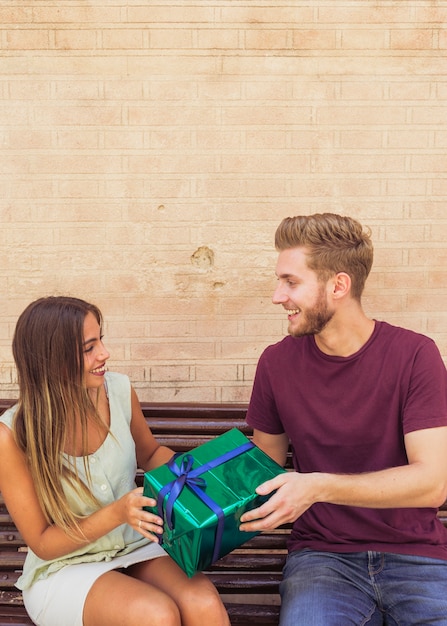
(314, 319)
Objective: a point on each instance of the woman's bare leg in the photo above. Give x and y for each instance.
(197, 598)
(117, 599)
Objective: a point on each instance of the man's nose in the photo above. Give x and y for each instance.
(279, 295)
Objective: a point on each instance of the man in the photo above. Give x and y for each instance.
(364, 407)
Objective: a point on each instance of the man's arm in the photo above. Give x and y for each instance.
(276, 446)
(421, 483)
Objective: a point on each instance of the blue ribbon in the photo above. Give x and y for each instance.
(187, 476)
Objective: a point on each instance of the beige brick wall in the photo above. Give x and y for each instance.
(149, 150)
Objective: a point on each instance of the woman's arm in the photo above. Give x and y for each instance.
(46, 540)
(150, 453)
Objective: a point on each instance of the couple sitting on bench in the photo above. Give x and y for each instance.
(362, 403)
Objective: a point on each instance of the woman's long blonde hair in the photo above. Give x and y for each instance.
(53, 400)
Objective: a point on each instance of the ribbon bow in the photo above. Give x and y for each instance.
(184, 477)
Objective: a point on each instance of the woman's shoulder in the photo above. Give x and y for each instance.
(118, 390)
(116, 380)
(11, 457)
(7, 440)
(7, 416)
(6, 435)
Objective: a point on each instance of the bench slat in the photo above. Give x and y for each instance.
(208, 411)
(11, 560)
(8, 579)
(10, 539)
(232, 582)
(245, 614)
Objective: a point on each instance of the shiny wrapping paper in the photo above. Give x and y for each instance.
(203, 497)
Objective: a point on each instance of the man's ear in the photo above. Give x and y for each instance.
(341, 285)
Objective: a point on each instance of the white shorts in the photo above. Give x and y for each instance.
(59, 599)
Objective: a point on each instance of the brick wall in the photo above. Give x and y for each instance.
(149, 150)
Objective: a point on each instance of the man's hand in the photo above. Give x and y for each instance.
(295, 493)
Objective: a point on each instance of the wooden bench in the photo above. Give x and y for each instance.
(247, 579)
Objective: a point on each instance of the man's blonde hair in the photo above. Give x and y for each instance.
(333, 243)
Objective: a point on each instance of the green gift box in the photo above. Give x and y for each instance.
(202, 494)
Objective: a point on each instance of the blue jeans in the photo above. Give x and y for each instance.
(374, 588)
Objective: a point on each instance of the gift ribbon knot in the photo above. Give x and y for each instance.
(184, 477)
(189, 477)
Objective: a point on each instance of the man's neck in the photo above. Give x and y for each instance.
(345, 337)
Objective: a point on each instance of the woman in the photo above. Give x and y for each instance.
(69, 450)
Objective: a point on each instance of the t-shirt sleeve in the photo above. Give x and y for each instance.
(262, 413)
(426, 401)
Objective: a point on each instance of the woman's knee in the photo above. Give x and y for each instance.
(164, 613)
(203, 603)
(119, 599)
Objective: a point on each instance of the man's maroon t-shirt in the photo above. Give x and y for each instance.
(348, 415)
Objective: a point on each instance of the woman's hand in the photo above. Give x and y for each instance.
(146, 523)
